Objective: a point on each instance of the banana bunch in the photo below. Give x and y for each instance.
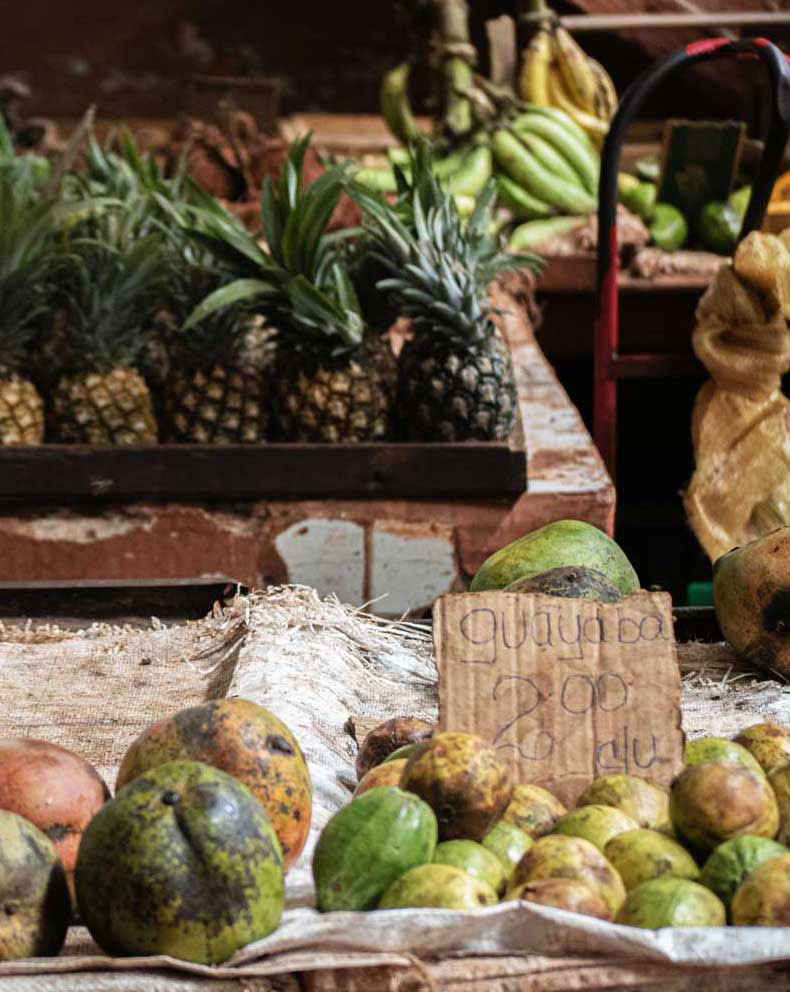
(547, 165)
(556, 72)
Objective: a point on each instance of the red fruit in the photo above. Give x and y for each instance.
(53, 788)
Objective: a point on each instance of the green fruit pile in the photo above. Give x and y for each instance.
(454, 833)
(187, 860)
(714, 228)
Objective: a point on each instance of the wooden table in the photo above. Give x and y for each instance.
(408, 551)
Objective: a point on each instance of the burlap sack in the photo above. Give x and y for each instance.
(741, 421)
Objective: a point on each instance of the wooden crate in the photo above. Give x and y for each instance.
(362, 546)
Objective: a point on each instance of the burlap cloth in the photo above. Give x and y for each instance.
(317, 663)
(741, 421)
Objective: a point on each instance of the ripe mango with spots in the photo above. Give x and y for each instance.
(763, 899)
(639, 855)
(558, 856)
(463, 780)
(641, 800)
(184, 861)
(34, 900)
(389, 773)
(534, 810)
(246, 741)
(570, 894)
(768, 744)
(713, 803)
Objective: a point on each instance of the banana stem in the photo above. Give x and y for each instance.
(532, 15)
(455, 58)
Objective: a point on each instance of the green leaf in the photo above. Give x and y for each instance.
(238, 291)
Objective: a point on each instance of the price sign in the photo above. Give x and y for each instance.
(566, 689)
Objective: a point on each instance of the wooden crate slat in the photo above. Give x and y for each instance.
(228, 472)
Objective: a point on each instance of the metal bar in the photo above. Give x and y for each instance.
(626, 22)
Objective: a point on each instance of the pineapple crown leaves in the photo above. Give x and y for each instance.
(218, 335)
(110, 289)
(440, 267)
(29, 260)
(300, 282)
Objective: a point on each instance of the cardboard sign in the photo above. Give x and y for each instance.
(700, 160)
(567, 689)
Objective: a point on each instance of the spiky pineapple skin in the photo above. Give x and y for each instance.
(344, 399)
(104, 409)
(452, 391)
(222, 405)
(21, 411)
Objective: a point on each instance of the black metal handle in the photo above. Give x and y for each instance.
(633, 99)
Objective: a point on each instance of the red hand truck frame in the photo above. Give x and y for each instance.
(609, 365)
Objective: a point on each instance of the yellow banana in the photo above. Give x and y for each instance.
(606, 99)
(580, 81)
(594, 126)
(533, 78)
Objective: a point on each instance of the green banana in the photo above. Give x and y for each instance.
(395, 106)
(533, 234)
(523, 167)
(549, 157)
(581, 155)
(473, 174)
(521, 203)
(565, 120)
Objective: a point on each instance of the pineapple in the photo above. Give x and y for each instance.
(27, 261)
(332, 380)
(215, 391)
(455, 375)
(109, 293)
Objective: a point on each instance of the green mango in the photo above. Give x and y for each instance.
(732, 862)
(718, 227)
(368, 845)
(474, 859)
(638, 197)
(437, 887)
(509, 844)
(668, 228)
(559, 544)
(639, 855)
(739, 200)
(185, 862)
(671, 902)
